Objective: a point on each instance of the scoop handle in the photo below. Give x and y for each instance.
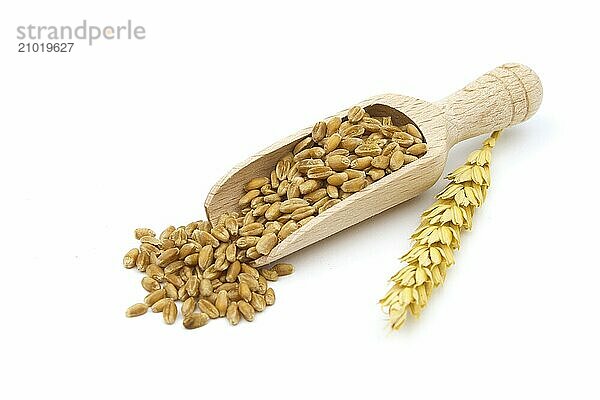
(503, 97)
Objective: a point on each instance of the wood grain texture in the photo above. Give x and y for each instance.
(503, 97)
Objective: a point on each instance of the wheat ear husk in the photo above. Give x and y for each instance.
(438, 237)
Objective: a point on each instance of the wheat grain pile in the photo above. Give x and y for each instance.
(209, 269)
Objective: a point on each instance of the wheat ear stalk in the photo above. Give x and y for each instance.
(438, 236)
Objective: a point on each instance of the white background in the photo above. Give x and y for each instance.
(134, 133)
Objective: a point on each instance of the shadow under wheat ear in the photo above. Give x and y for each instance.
(438, 236)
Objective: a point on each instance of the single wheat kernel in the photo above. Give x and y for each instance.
(252, 253)
(249, 280)
(319, 131)
(167, 243)
(339, 152)
(270, 297)
(253, 229)
(389, 149)
(294, 188)
(225, 286)
(206, 287)
(368, 150)
(272, 198)
(315, 196)
(361, 163)
(333, 125)
(283, 269)
(309, 186)
(206, 239)
(396, 160)
(136, 310)
(152, 241)
(149, 248)
(330, 203)
(332, 142)
(274, 179)
(256, 183)
(174, 279)
(352, 131)
(413, 131)
(258, 302)
(192, 286)
(182, 294)
(354, 185)
(355, 114)
(155, 272)
(153, 297)
(376, 174)
(381, 162)
(291, 205)
(150, 284)
(303, 212)
(233, 295)
(269, 274)
(321, 172)
(232, 272)
(337, 179)
(409, 158)
(293, 172)
(186, 273)
(332, 191)
(232, 313)
(188, 307)
(168, 256)
(245, 242)
(192, 259)
(169, 312)
(261, 210)
(338, 163)
(220, 233)
(350, 143)
(246, 310)
(142, 260)
(221, 302)
(195, 320)
(417, 149)
(248, 197)
(244, 291)
(205, 257)
(231, 252)
(281, 170)
(247, 269)
(273, 212)
(179, 237)
(302, 145)
(141, 232)
(207, 307)
(288, 228)
(171, 291)
(262, 285)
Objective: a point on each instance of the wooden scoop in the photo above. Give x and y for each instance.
(503, 97)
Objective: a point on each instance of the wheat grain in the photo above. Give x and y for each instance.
(136, 310)
(208, 265)
(195, 320)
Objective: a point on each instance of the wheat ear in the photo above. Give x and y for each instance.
(438, 236)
